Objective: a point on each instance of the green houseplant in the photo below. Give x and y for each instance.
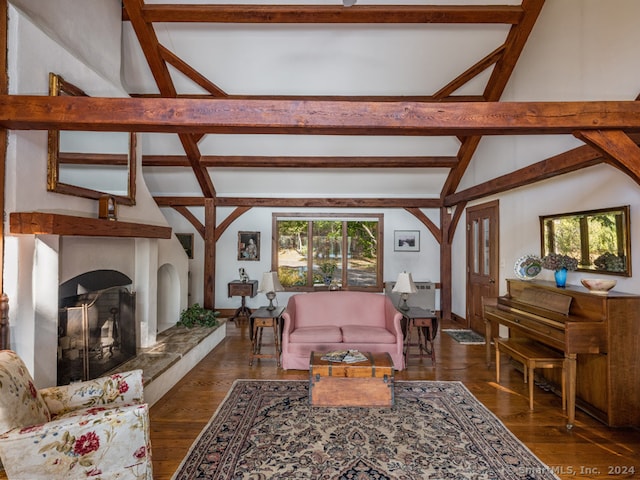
(195, 316)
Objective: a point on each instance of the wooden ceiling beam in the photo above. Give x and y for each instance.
(301, 162)
(167, 201)
(560, 164)
(469, 74)
(154, 56)
(189, 72)
(331, 14)
(618, 148)
(344, 98)
(513, 46)
(189, 116)
(191, 218)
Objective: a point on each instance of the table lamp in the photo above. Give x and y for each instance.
(404, 286)
(270, 285)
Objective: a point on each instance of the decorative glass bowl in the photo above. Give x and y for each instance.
(600, 286)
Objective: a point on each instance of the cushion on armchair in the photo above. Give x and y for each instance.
(118, 389)
(100, 428)
(20, 402)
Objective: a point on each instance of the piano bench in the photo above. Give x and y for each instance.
(532, 355)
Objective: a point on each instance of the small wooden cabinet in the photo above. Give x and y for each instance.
(238, 288)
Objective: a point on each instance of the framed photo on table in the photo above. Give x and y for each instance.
(248, 245)
(406, 240)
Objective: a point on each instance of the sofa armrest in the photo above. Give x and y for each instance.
(393, 320)
(117, 389)
(100, 443)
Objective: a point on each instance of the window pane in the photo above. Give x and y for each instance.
(476, 247)
(293, 246)
(327, 251)
(362, 244)
(485, 241)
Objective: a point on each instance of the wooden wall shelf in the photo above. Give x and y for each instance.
(42, 223)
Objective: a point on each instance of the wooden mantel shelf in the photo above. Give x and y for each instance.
(42, 223)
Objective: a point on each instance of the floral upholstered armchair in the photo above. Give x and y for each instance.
(94, 429)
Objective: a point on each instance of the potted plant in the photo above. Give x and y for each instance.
(195, 316)
(560, 264)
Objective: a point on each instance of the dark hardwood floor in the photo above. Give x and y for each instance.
(590, 450)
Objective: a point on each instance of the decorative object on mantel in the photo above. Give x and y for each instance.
(195, 316)
(528, 267)
(404, 286)
(269, 286)
(599, 286)
(560, 264)
(107, 207)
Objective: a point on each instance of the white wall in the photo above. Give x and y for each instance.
(425, 264)
(35, 264)
(578, 50)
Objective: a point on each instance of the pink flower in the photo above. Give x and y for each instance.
(32, 390)
(141, 452)
(86, 444)
(94, 410)
(123, 387)
(30, 428)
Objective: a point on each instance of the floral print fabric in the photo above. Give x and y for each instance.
(100, 429)
(20, 403)
(123, 388)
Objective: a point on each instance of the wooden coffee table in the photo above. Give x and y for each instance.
(363, 384)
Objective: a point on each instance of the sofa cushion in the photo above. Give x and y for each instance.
(366, 334)
(320, 334)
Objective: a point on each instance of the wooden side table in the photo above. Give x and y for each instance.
(238, 288)
(263, 317)
(426, 323)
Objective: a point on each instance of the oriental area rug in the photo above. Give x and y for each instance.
(436, 430)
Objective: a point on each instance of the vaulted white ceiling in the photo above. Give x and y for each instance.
(313, 59)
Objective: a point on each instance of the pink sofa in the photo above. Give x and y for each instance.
(325, 321)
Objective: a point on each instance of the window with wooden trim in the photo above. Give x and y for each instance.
(328, 251)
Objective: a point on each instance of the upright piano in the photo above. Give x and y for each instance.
(599, 335)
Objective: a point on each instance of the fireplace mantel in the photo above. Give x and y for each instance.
(42, 223)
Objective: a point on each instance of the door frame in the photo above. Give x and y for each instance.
(492, 210)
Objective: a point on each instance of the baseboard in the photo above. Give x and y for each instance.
(460, 320)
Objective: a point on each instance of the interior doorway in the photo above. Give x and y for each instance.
(482, 259)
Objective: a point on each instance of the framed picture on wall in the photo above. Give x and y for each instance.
(186, 239)
(248, 245)
(406, 241)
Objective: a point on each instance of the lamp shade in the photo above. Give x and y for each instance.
(404, 284)
(270, 283)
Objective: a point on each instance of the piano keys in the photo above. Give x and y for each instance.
(598, 334)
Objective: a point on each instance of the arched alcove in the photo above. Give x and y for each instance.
(168, 296)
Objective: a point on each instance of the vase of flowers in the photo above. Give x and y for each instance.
(560, 264)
